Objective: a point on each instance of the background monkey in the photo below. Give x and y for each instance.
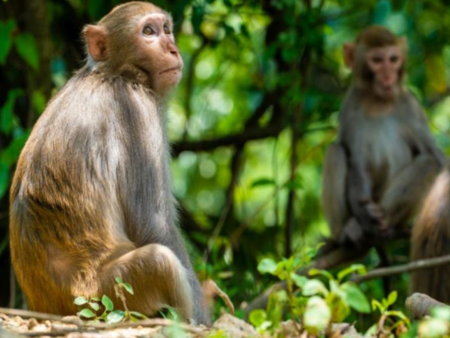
(91, 196)
(431, 238)
(385, 159)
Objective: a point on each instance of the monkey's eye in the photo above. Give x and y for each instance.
(167, 29)
(394, 58)
(377, 59)
(148, 30)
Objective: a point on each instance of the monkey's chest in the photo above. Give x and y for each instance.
(385, 149)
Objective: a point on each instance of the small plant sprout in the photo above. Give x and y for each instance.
(313, 304)
(339, 297)
(91, 308)
(391, 321)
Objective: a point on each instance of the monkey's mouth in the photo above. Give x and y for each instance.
(172, 69)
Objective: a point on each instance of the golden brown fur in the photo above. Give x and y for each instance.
(91, 199)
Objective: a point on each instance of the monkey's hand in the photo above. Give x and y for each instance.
(373, 218)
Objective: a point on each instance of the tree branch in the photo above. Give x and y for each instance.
(395, 270)
(421, 305)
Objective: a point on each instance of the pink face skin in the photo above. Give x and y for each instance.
(385, 63)
(158, 52)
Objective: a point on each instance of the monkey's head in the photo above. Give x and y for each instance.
(377, 60)
(137, 39)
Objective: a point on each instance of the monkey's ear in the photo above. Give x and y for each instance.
(349, 54)
(95, 37)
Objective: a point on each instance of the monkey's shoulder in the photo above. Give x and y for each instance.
(90, 98)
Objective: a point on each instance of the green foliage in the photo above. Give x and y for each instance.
(7, 118)
(27, 48)
(6, 29)
(314, 304)
(97, 310)
(391, 321)
(436, 326)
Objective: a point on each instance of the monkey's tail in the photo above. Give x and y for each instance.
(431, 238)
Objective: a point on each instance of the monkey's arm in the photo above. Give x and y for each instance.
(359, 185)
(419, 135)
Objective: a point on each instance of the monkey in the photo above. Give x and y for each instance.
(431, 238)
(385, 159)
(91, 196)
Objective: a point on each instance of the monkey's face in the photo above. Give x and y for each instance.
(385, 64)
(156, 52)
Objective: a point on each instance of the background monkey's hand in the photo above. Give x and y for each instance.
(372, 218)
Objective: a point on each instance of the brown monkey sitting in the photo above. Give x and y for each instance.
(91, 196)
(385, 158)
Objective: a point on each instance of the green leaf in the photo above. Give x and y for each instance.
(86, 313)
(317, 315)
(275, 307)
(80, 301)
(441, 312)
(94, 306)
(355, 298)
(257, 317)
(175, 331)
(392, 298)
(10, 155)
(119, 280)
(38, 101)
(4, 179)
(198, 12)
(267, 265)
(315, 272)
(115, 317)
(314, 287)
(27, 48)
(218, 334)
(6, 29)
(107, 303)
(433, 328)
(170, 313)
(296, 183)
(7, 118)
(263, 182)
(377, 305)
(398, 314)
(95, 299)
(358, 268)
(339, 309)
(138, 315)
(300, 281)
(128, 287)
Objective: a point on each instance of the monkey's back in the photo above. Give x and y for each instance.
(70, 185)
(431, 238)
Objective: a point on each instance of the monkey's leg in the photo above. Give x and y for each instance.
(406, 191)
(334, 190)
(158, 279)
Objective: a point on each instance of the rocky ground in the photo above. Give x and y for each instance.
(227, 326)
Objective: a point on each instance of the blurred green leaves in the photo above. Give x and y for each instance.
(6, 29)
(27, 49)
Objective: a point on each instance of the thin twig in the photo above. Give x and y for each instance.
(29, 314)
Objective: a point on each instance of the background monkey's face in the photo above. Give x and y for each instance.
(385, 64)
